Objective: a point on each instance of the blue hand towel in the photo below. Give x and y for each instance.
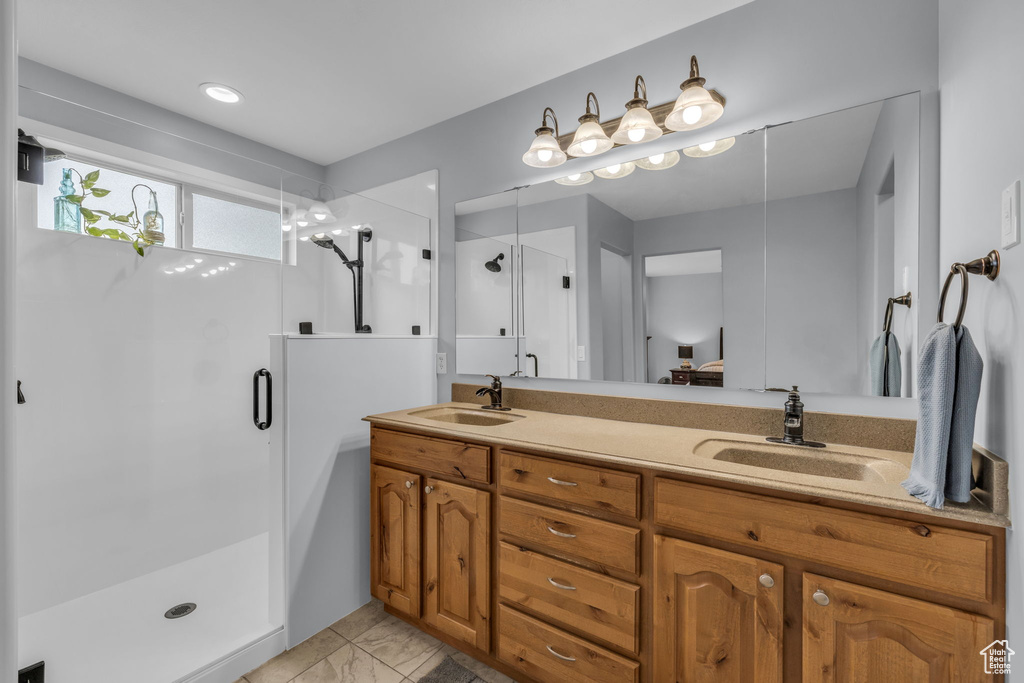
(876, 365)
(949, 380)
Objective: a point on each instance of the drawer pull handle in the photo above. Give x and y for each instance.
(560, 585)
(562, 483)
(561, 534)
(820, 597)
(564, 658)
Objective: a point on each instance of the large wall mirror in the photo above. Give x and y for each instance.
(784, 256)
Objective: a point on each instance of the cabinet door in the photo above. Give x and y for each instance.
(395, 538)
(862, 635)
(456, 556)
(717, 615)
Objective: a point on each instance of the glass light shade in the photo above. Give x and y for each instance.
(590, 140)
(302, 219)
(320, 211)
(709, 149)
(544, 152)
(637, 126)
(576, 178)
(694, 108)
(659, 162)
(615, 170)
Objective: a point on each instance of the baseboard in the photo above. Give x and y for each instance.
(230, 668)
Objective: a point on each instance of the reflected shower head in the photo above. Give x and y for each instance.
(322, 239)
(493, 265)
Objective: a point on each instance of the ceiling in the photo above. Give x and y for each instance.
(806, 157)
(326, 79)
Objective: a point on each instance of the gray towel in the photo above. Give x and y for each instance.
(876, 366)
(949, 379)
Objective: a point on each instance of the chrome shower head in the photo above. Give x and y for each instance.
(493, 264)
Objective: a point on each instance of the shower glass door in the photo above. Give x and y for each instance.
(545, 350)
(150, 514)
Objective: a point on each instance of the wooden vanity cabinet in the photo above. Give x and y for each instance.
(718, 615)
(456, 561)
(603, 573)
(395, 538)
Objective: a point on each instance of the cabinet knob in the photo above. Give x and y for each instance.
(408, 484)
(766, 580)
(428, 489)
(820, 597)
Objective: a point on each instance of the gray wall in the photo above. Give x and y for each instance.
(683, 309)
(981, 156)
(834, 54)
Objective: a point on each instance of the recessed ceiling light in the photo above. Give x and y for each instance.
(221, 93)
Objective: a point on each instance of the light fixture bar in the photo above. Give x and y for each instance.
(659, 113)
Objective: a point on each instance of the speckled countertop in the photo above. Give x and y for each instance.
(694, 451)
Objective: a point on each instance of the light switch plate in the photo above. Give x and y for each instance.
(1010, 235)
(581, 353)
(442, 363)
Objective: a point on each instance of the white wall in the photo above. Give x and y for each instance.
(331, 384)
(840, 54)
(684, 309)
(982, 153)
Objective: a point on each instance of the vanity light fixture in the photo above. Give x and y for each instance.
(696, 106)
(615, 170)
(637, 125)
(659, 162)
(709, 148)
(221, 93)
(576, 178)
(318, 210)
(590, 139)
(302, 218)
(545, 151)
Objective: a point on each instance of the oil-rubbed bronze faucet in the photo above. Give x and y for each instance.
(793, 424)
(494, 391)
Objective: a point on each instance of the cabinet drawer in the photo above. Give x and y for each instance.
(605, 543)
(451, 458)
(606, 608)
(948, 560)
(590, 487)
(546, 653)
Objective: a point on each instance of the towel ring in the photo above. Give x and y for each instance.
(988, 266)
(955, 269)
(905, 300)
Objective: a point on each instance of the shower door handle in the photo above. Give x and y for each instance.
(262, 372)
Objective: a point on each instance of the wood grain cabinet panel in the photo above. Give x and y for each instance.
(443, 456)
(551, 655)
(601, 607)
(395, 538)
(597, 488)
(605, 543)
(863, 635)
(949, 560)
(715, 619)
(456, 561)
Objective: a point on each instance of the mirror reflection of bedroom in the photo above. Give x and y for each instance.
(684, 318)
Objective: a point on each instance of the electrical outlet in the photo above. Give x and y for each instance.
(32, 674)
(442, 363)
(1010, 233)
(581, 353)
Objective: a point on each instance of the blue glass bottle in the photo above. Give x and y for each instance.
(67, 216)
(153, 222)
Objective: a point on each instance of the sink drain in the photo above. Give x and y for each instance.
(179, 611)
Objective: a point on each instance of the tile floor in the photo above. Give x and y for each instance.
(367, 646)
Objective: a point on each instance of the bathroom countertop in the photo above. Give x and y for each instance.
(686, 451)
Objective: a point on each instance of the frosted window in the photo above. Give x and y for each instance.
(119, 200)
(221, 225)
